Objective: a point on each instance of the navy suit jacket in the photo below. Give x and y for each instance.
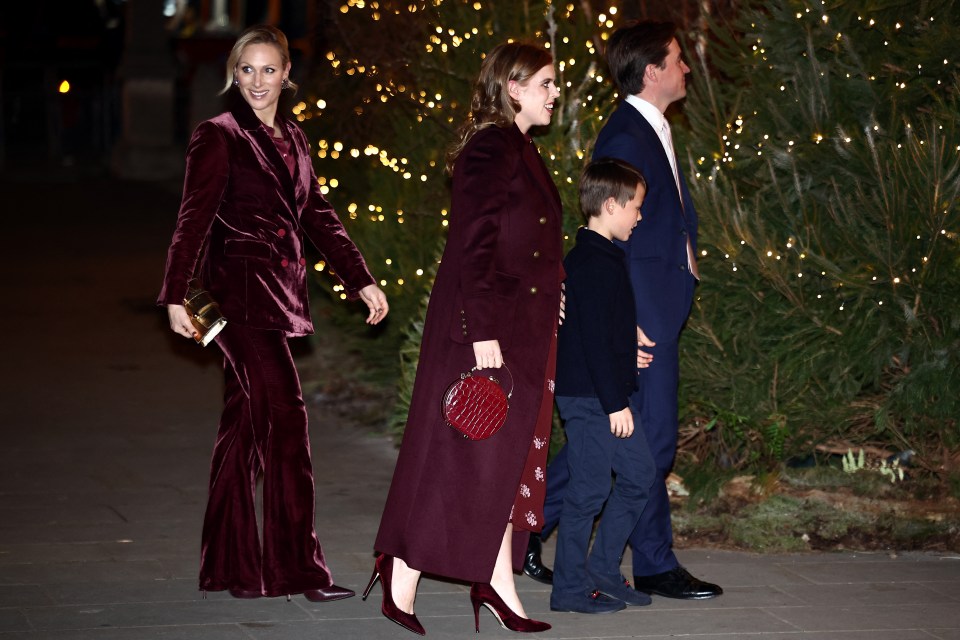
(657, 249)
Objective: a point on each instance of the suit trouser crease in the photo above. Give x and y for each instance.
(263, 431)
(592, 453)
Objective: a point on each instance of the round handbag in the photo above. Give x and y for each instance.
(476, 406)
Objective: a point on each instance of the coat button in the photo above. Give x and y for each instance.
(536, 254)
(303, 261)
(543, 220)
(284, 262)
(533, 291)
(281, 232)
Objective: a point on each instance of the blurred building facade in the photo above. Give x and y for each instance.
(118, 85)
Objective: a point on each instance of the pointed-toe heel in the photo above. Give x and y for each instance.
(328, 594)
(485, 595)
(383, 571)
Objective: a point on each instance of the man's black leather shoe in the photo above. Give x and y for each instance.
(533, 565)
(676, 583)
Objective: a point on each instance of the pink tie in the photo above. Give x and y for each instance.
(691, 257)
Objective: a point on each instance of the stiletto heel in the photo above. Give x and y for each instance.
(484, 594)
(373, 580)
(383, 571)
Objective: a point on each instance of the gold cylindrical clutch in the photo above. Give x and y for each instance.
(204, 313)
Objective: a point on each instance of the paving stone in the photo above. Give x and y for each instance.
(105, 464)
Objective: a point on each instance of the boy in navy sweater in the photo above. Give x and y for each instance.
(596, 376)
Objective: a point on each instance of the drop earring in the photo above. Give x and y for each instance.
(236, 82)
(285, 84)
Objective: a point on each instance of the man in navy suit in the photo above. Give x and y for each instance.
(647, 64)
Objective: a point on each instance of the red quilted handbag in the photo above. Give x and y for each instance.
(476, 406)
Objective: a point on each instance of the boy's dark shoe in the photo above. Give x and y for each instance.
(619, 587)
(594, 602)
(532, 564)
(677, 583)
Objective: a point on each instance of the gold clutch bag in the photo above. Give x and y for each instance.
(204, 313)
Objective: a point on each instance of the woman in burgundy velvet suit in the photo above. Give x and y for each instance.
(249, 197)
(460, 508)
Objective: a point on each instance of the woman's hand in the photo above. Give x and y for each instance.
(376, 301)
(488, 354)
(180, 321)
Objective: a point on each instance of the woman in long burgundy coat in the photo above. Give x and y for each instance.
(459, 508)
(249, 197)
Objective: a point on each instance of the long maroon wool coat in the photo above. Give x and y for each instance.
(241, 193)
(499, 278)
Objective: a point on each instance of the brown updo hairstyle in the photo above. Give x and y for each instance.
(257, 34)
(491, 104)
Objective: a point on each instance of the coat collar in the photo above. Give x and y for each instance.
(591, 238)
(534, 163)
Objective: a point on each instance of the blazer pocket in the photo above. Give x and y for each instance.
(245, 248)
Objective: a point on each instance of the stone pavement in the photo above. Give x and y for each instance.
(108, 421)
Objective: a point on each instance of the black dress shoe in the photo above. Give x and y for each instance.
(533, 565)
(677, 583)
(245, 594)
(328, 594)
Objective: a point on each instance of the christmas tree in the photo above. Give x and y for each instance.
(824, 156)
(411, 86)
(821, 146)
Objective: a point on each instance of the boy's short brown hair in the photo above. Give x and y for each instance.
(608, 178)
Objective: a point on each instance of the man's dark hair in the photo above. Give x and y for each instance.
(634, 46)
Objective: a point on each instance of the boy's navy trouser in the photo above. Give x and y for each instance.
(593, 453)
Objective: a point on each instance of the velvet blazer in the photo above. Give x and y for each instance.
(657, 249)
(247, 217)
(499, 278)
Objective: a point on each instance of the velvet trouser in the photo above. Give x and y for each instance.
(263, 432)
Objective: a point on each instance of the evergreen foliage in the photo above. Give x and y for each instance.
(409, 92)
(823, 150)
(820, 143)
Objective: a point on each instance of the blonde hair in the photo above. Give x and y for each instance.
(491, 104)
(257, 34)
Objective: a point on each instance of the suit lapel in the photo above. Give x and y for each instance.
(646, 130)
(266, 151)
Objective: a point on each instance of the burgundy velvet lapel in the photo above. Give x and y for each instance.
(293, 133)
(265, 148)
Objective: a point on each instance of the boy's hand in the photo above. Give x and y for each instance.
(621, 423)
